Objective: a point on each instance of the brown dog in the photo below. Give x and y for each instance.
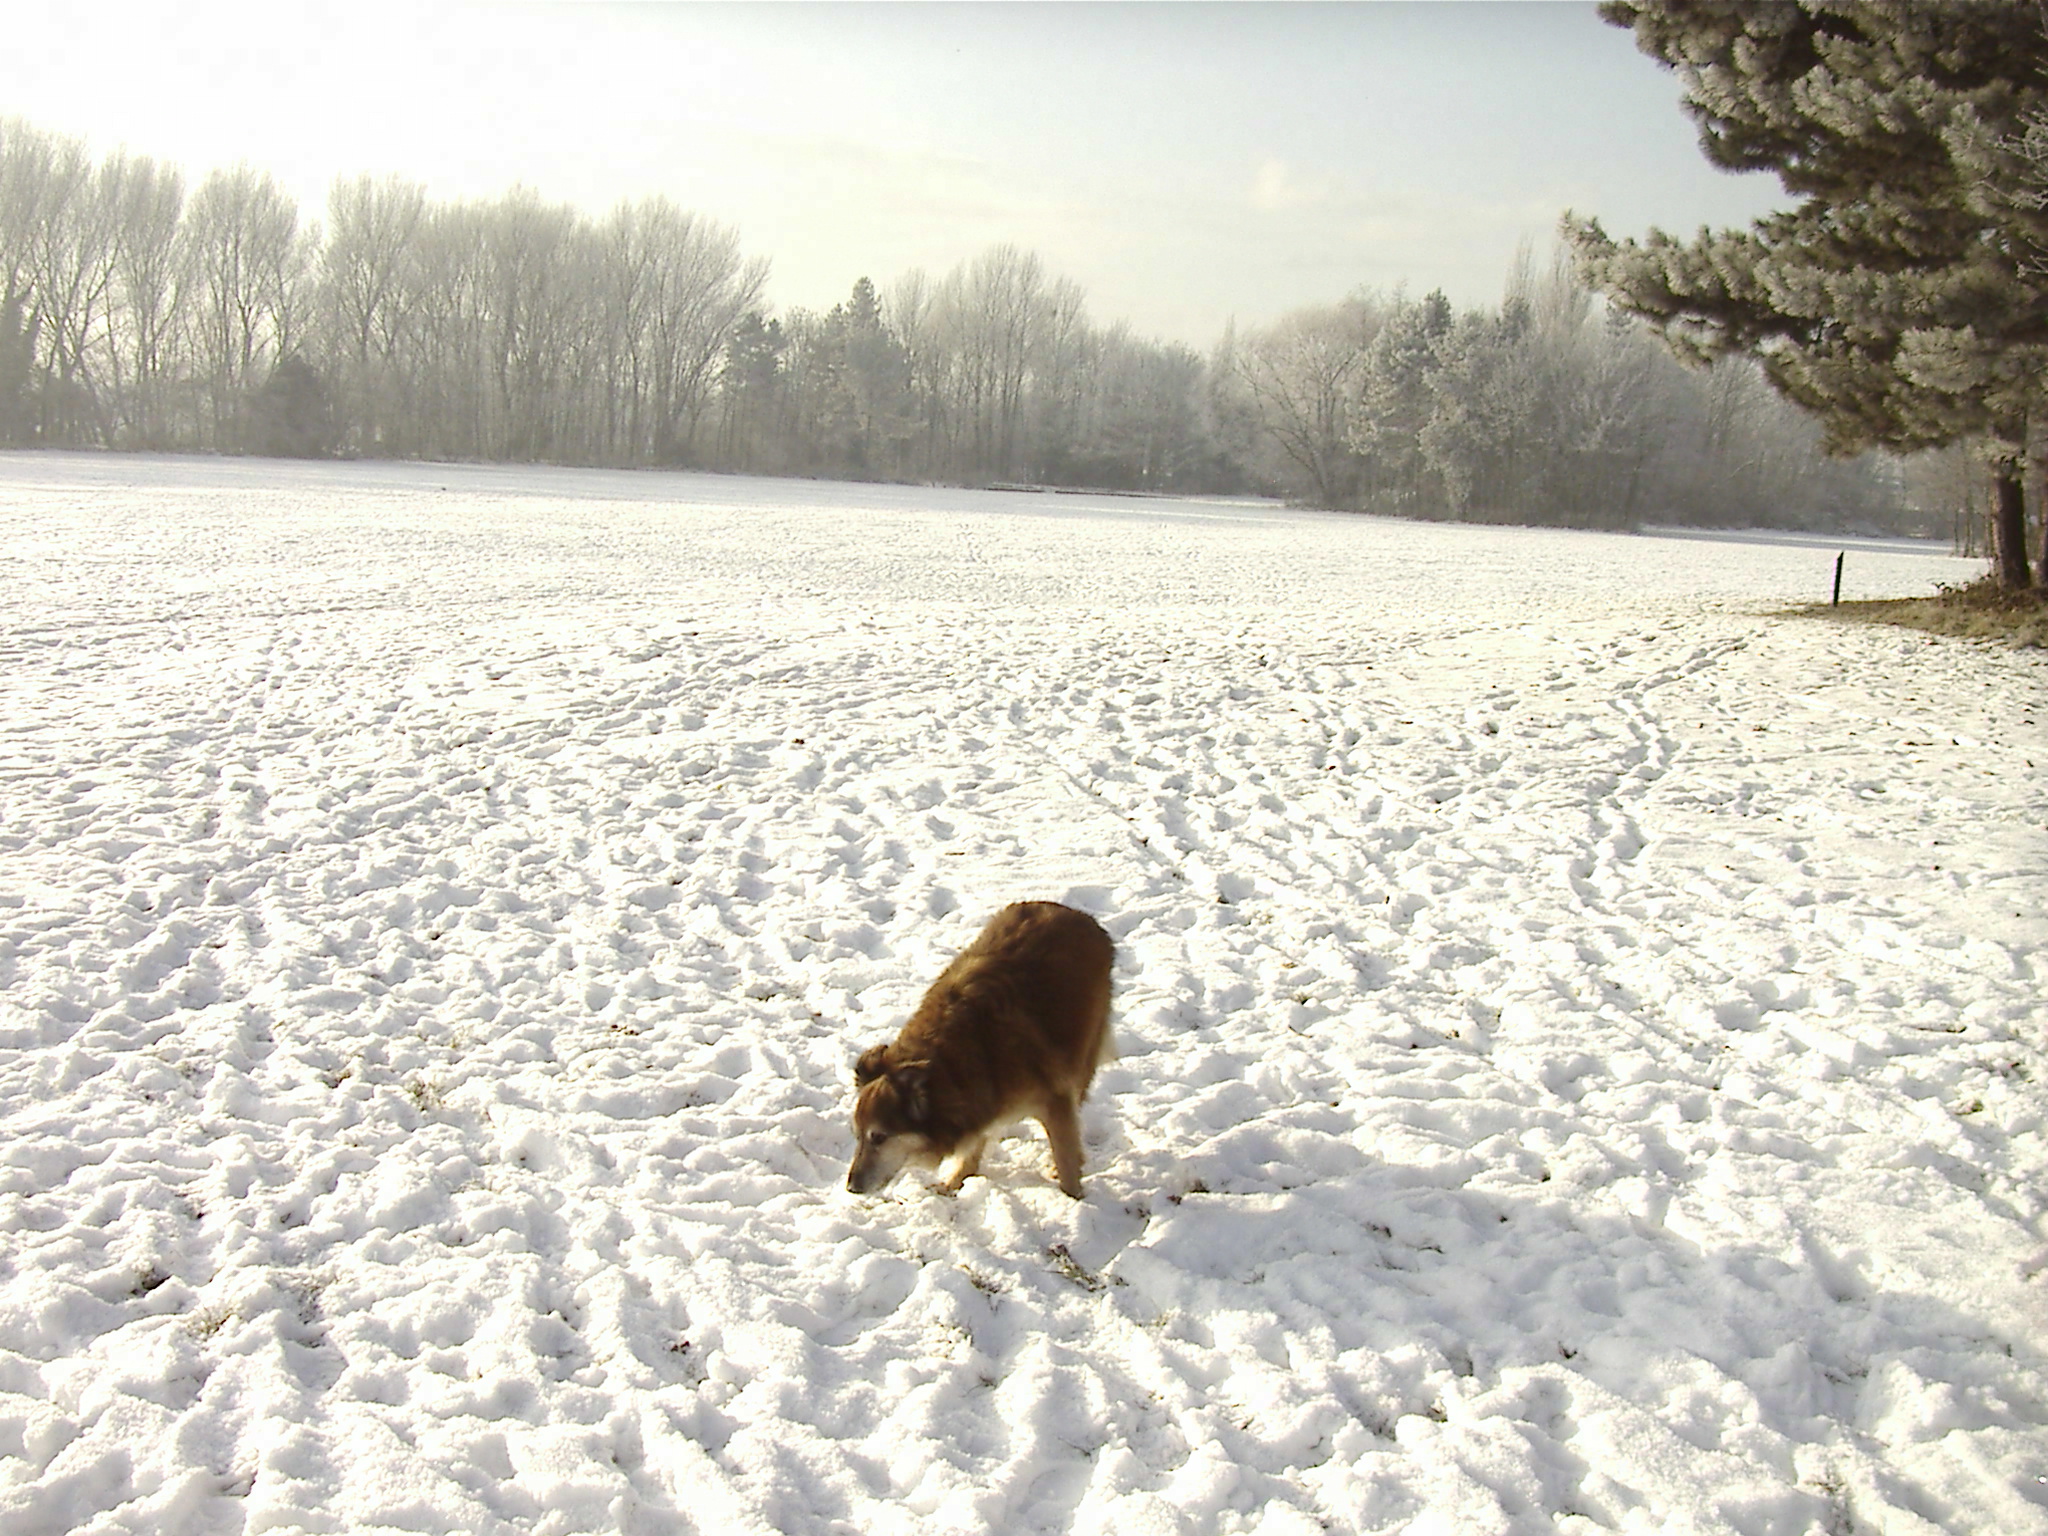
(1014, 1027)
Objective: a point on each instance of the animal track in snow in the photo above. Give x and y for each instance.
(1542, 1093)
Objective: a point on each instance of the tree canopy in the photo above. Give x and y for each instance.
(1901, 299)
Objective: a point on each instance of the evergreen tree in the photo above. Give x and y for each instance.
(17, 355)
(1395, 403)
(1897, 300)
(749, 384)
(863, 345)
(292, 414)
(877, 378)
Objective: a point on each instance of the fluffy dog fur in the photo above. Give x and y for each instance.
(1014, 1027)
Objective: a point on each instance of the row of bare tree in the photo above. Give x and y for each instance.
(134, 314)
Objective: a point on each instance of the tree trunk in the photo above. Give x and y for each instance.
(2037, 486)
(2041, 522)
(2033, 467)
(2009, 525)
(2040, 515)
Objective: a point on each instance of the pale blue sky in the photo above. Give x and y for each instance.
(1184, 163)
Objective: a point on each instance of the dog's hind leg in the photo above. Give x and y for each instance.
(1062, 1121)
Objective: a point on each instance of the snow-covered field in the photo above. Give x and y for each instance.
(1582, 1037)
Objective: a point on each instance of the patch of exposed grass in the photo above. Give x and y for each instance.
(1983, 610)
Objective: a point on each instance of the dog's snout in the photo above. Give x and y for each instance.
(875, 1163)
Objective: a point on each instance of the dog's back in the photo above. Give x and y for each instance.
(1014, 1027)
(1023, 1008)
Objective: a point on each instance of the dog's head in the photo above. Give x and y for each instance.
(890, 1119)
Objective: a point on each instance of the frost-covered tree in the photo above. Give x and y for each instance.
(1483, 440)
(1395, 402)
(1896, 300)
(1300, 377)
(850, 389)
(1541, 413)
(131, 315)
(1142, 424)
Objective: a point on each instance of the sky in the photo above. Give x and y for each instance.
(1188, 165)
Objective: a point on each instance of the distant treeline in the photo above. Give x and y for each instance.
(138, 314)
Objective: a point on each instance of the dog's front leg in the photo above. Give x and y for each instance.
(967, 1163)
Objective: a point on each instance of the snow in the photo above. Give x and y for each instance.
(1582, 1051)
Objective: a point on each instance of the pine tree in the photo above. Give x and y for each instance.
(878, 372)
(749, 385)
(1394, 405)
(1897, 300)
(292, 413)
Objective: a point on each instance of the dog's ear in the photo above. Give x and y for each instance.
(910, 1093)
(874, 1061)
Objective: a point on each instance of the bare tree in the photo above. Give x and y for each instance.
(152, 285)
(912, 311)
(991, 311)
(1300, 375)
(626, 283)
(131, 315)
(372, 230)
(1065, 355)
(75, 253)
(700, 286)
(443, 379)
(243, 241)
(530, 253)
(35, 182)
